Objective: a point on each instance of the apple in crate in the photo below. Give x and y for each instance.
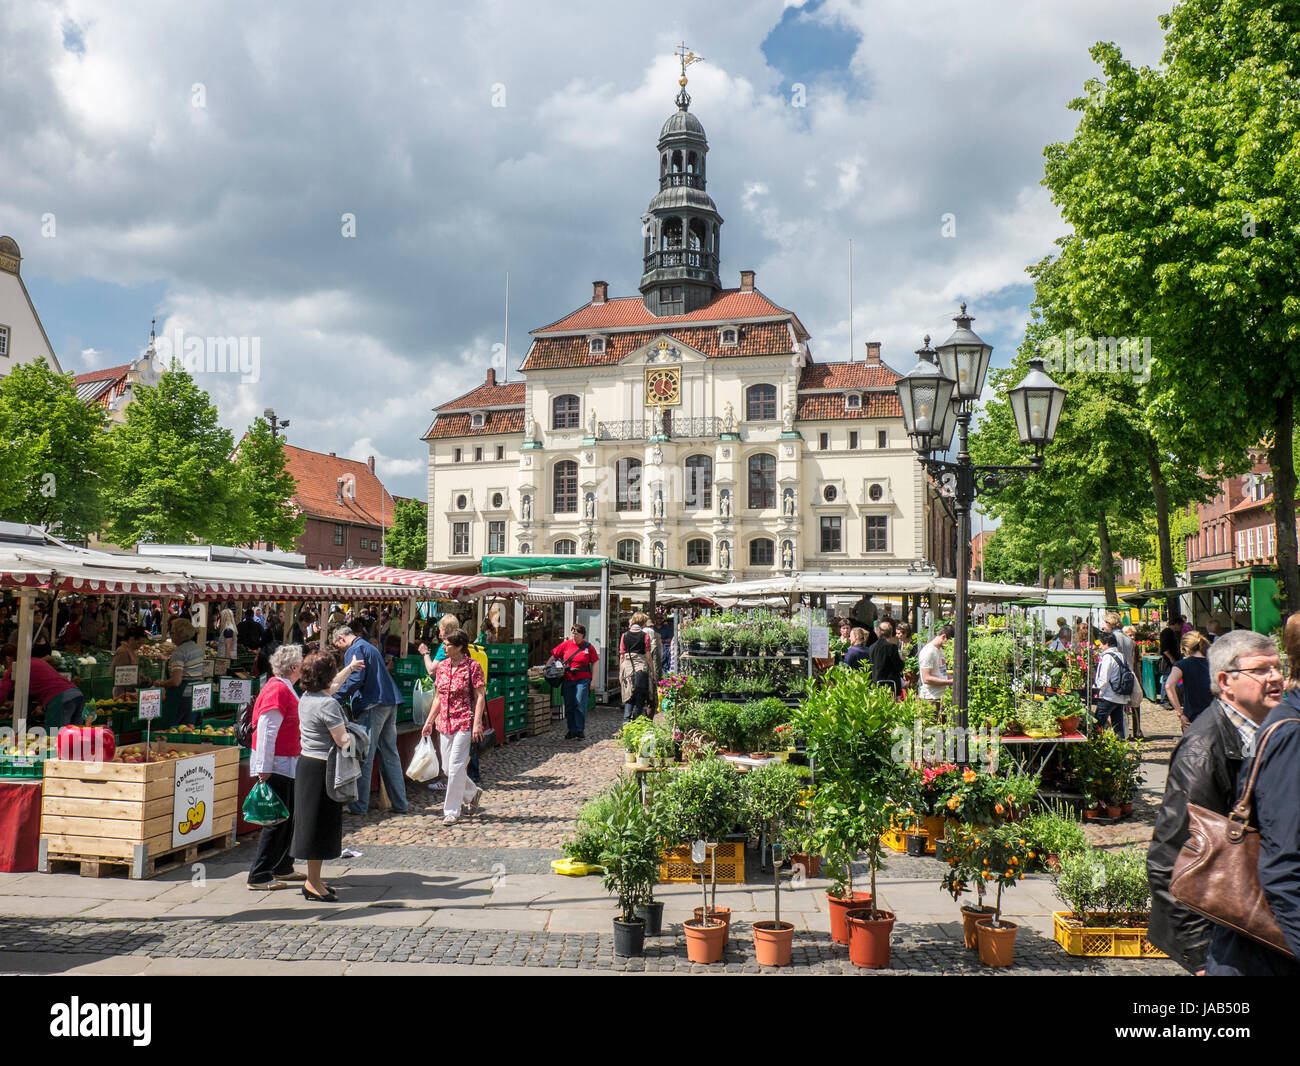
(93, 743)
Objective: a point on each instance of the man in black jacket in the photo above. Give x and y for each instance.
(251, 635)
(1204, 770)
(886, 662)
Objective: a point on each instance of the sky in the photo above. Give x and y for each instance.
(345, 187)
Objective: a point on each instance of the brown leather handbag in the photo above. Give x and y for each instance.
(1217, 872)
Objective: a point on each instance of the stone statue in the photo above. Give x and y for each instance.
(591, 425)
(724, 503)
(787, 504)
(589, 506)
(787, 416)
(724, 556)
(657, 554)
(659, 503)
(787, 556)
(526, 507)
(656, 455)
(728, 418)
(532, 429)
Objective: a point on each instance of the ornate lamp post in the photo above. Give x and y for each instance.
(938, 397)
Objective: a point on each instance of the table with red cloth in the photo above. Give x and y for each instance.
(20, 825)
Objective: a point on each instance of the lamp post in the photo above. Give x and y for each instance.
(275, 434)
(938, 397)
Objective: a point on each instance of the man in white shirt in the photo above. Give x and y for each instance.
(934, 669)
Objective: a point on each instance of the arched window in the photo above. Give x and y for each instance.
(760, 403)
(566, 487)
(565, 412)
(566, 547)
(629, 551)
(762, 552)
(698, 552)
(677, 161)
(762, 482)
(628, 485)
(699, 483)
(671, 234)
(690, 163)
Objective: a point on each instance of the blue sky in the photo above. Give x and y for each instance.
(201, 162)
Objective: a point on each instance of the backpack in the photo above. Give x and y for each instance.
(1123, 686)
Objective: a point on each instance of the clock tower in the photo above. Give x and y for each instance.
(681, 227)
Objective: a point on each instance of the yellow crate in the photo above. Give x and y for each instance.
(894, 840)
(1102, 942)
(675, 867)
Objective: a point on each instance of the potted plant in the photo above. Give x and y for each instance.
(630, 848)
(693, 637)
(1052, 834)
(773, 798)
(994, 855)
(1108, 896)
(1037, 717)
(711, 637)
(633, 736)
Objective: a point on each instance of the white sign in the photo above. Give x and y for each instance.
(126, 676)
(193, 803)
(151, 700)
(819, 642)
(208, 664)
(201, 697)
(236, 690)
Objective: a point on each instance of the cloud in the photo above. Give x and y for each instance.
(91, 357)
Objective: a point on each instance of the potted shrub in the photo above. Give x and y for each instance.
(711, 638)
(633, 737)
(996, 855)
(773, 795)
(964, 872)
(1052, 835)
(630, 849)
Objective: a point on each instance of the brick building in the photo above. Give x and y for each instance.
(345, 506)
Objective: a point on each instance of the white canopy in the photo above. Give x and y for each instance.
(864, 585)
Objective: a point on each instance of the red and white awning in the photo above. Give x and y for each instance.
(439, 586)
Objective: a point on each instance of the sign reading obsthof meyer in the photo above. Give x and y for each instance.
(193, 803)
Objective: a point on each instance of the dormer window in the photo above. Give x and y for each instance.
(478, 419)
(853, 401)
(728, 336)
(596, 346)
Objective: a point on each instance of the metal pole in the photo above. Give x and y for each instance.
(965, 497)
(22, 671)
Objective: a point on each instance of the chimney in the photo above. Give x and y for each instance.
(333, 456)
(599, 292)
(370, 459)
(492, 375)
(746, 281)
(873, 352)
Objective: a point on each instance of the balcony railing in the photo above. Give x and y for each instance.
(676, 181)
(679, 257)
(644, 428)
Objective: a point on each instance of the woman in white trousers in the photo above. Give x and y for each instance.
(459, 713)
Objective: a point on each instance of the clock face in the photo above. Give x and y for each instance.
(663, 386)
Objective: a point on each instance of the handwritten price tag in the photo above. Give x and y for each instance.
(236, 690)
(126, 676)
(151, 701)
(202, 698)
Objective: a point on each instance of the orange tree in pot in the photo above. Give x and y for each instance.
(858, 738)
(989, 856)
(773, 796)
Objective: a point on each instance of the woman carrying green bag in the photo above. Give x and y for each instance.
(274, 761)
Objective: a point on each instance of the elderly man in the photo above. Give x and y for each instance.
(1246, 679)
(375, 700)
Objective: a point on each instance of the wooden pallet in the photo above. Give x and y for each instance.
(140, 866)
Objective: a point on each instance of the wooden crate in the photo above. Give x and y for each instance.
(119, 814)
(539, 716)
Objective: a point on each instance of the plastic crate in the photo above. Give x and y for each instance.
(496, 687)
(675, 867)
(1102, 942)
(507, 658)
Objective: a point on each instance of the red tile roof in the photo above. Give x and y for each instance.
(111, 373)
(317, 495)
(458, 425)
(730, 305)
(823, 405)
(846, 376)
(510, 395)
(1250, 505)
(760, 338)
(102, 387)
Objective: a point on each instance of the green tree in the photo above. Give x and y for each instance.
(172, 469)
(54, 453)
(1182, 184)
(406, 544)
(263, 492)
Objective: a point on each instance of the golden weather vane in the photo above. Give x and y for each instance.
(687, 57)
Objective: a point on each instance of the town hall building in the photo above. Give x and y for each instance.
(688, 427)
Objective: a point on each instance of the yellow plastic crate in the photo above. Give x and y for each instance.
(1102, 942)
(894, 840)
(676, 867)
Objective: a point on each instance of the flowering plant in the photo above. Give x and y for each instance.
(978, 799)
(984, 856)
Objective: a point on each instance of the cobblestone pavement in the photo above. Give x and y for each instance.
(533, 788)
(917, 949)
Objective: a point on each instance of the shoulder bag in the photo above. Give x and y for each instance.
(555, 670)
(1217, 872)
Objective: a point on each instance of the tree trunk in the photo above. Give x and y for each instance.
(1282, 459)
(1106, 560)
(1160, 491)
(1078, 577)
(1041, 582)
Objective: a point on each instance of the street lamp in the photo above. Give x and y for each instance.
(275, 426)
(938, 396)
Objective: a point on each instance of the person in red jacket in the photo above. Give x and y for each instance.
(274, 759)
(578, 657)
(64, 703)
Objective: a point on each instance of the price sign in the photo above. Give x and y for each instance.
(236, 690)
(151, 701)
(126, 676)
(819, 642)
(201, 698)
(208, 664)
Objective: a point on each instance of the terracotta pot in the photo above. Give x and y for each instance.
(838, 908)
(969, 916)
(718, 914)
(812, 864)
(772, 942)
(1113, 810)
(705, 943)
(1091, 813)
(997, 946)
(869, 938)
(1070, 724)
(1125, 809)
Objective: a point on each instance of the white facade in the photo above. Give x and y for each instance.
(22, 337)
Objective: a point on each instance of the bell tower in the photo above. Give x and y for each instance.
(682, 226)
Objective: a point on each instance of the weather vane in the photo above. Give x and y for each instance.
(687, 57)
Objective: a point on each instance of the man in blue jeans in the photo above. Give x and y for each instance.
(374, 697)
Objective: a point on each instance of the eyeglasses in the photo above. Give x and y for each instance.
(1263, 673)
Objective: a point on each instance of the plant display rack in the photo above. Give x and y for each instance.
(1102, 941)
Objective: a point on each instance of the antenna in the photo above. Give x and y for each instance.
(851, 348)
(505, 355)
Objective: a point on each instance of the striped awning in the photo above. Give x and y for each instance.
(439, 586)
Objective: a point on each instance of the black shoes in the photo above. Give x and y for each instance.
(570, 735)
(330, 897)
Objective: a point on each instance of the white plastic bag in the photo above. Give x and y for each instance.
(424, 763)
(422, 701)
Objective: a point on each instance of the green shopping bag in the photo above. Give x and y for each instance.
(264, 807)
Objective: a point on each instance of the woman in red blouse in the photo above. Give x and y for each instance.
(458, 713)
(578, 657)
